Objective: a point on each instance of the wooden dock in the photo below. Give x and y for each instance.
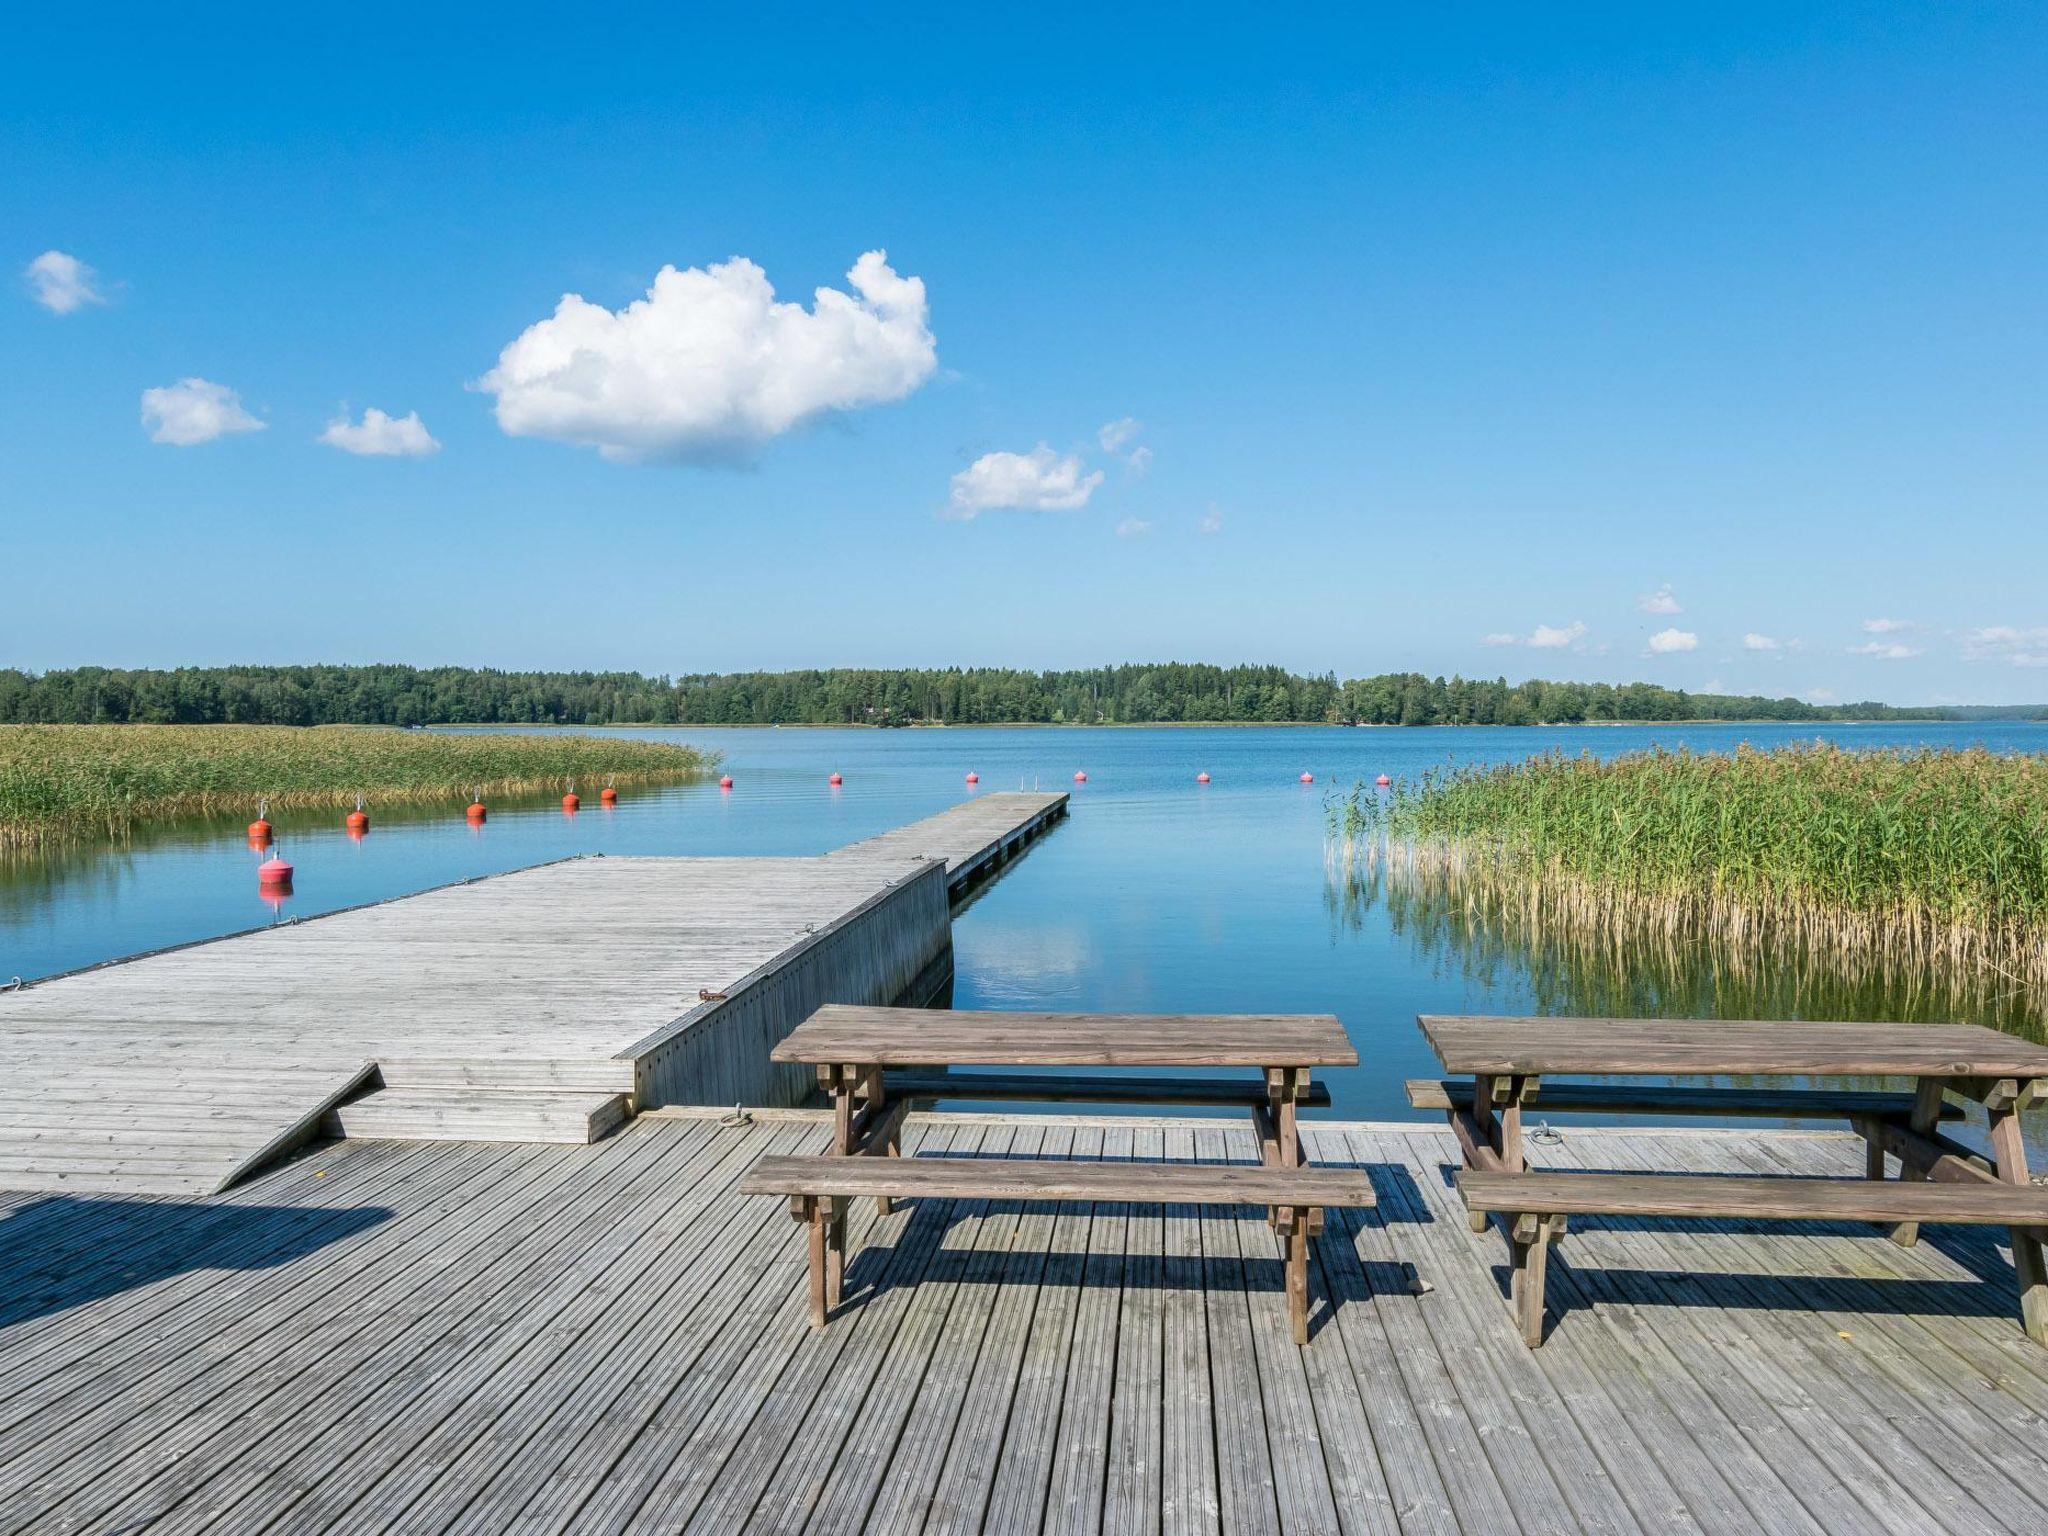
(426, 1338)
(545, 1004)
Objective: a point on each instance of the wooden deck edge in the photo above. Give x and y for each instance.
(1211, 1122)
(301, 1130)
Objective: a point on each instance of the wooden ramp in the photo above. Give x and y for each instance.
(426, 1338)
(538, 1005)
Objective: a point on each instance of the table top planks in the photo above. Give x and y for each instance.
(1536, 1046)
(908, 1037)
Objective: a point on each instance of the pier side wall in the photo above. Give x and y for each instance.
(888, 949)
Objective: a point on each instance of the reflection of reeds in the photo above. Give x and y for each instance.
(62, 783)
(1913, 883)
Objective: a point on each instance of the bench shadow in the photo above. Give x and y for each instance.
(1336, 1273)
(68, 1251)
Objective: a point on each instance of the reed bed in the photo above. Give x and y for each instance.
(64, 783)
(1888, 867)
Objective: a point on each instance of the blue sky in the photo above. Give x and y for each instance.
(1587, 326)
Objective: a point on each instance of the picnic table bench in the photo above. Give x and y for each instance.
(873, 1062)
(1940, 1179)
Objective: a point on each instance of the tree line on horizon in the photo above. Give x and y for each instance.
(1172, 692)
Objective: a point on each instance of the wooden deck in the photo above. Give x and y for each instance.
(523, 1005)
(426, 1338)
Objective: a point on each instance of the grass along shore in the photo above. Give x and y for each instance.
(62, 783)
(1883, 863)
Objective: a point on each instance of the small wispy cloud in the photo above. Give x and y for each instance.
(382, 436)
(1038, 481)
(1212, 520)
(1659, 601)
(2015, 646)
(1133, 528)
(1544, 637)
(1756, 642)
(1888, 626)
(61, 283)
(194, 411)
(1885, 650)
(1112, 435)
(1139, 460)
(1667, 641)
(1819, 696)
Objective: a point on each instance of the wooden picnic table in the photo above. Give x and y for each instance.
(872, 1062)
(1509, 1059)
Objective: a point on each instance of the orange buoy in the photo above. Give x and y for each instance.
(259, 832)
(357, 820)
(571, 803)
(274, 872)
(1308, 778)
(1383, 781)
(835, 781)
(725, 781)
(1201, 778)
(607, 796)
(1080, 777)
(476, 811)
(974, 778)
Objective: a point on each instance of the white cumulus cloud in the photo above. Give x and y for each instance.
(709, 366)
(1133, 528)
(1666, 641)
(194, 411)
(62, 283)
(382, 437)
(1038, 481)
(1884, 650)
(1550, 637)
(1756, 642)
(1659, 601)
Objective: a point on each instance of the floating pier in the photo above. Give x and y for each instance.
(547, 1004)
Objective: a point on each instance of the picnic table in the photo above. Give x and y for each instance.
(873, 1062)
(1512, 1062)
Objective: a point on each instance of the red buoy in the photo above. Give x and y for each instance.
(1308, 778)
(1080, 778)
(1383, 781)
(1201, 778)
(725, 781)
(835, 781)
(259, 832)
(607, 796)
(974, 778)
(273, 871)
(571, 803)
(475, 811)
(357, 821)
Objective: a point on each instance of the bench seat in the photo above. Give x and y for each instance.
(818, 1188)
(1052, 1088)
(998, 1178)
(1539, 1203)
(1753, 1197)
(1656, 1099)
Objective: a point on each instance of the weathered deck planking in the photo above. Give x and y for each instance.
(433, 1337)
(518, 1006)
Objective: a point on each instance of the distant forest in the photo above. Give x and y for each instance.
(1122, 695)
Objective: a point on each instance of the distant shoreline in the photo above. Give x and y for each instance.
(1169, 725)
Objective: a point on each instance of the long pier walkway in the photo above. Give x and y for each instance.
(428, 1338)
(544, 1004)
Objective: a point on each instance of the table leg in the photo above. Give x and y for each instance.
(1511, 1128)
(1297, 1273)
(2029, 1259)
(1927, 1095)
(877, 1105)
(1482, 1121)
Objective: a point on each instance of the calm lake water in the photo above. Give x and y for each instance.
(1158, 894)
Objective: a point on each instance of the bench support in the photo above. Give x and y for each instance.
(823, 1218)
(2029, 1259)
(1927, 1100)
(1531, 1237)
